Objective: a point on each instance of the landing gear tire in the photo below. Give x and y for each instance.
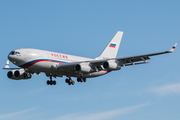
(51, 82)
(73, 82)
(48, 82)
(78, 79)
(84, 79)
(54, 82)
(81, 79)
(70, 81)
(67, 80)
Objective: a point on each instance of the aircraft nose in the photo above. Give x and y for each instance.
(14, 57)
(10, 57)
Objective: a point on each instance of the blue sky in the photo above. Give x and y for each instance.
(84, 28)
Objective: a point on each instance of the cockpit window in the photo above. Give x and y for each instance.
(14, 53)
(17, 53)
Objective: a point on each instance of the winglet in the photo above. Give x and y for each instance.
(173, 48)
(7, 64)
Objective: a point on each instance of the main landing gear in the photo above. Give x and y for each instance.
(81, 79)
(51, 82)
(70, 81)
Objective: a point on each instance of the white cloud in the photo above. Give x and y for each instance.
(12, 115)
(167, 89)
(101, 115)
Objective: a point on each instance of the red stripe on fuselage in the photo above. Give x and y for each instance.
(112, 46)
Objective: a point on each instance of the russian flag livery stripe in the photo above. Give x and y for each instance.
(112, 45)
(26, 65)
(7, 64)
(173, 47)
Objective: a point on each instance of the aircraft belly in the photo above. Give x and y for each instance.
(47, 68)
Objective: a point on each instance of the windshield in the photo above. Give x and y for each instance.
(14, 53)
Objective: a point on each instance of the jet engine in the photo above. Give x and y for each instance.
(111, 65)
(18, 74)
(83, 67)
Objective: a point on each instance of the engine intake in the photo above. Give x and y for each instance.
(17, 73)
(78, 67)
(10, 74)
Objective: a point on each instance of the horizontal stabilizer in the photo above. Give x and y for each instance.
(7, 66)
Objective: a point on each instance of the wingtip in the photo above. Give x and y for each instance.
(173, 48)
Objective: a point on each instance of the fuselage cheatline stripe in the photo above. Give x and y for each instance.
(26, 65)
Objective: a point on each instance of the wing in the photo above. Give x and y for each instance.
(135, 60)
(97, 64)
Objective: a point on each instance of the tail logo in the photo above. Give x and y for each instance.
(112, 45)
(173, 47)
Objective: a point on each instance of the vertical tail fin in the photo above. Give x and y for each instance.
(112, 48)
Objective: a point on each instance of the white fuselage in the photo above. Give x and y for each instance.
(44, 61)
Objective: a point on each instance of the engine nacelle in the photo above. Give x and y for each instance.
(111, 65)
(83, 67)
(18, 74)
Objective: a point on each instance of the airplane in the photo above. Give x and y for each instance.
(55, 64)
